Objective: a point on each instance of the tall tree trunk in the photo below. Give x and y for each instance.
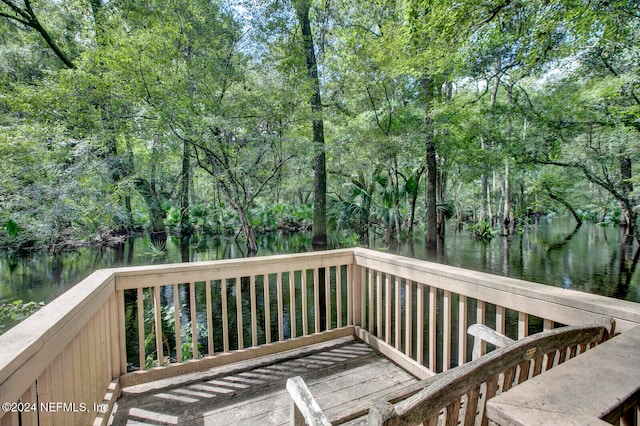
(507, 219)
(120, 167)
(628, 215)
(319, 237)
(185, 183)
(156, 212)
(432, 170)
(247, 230)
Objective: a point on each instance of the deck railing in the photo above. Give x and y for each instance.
(126, 326)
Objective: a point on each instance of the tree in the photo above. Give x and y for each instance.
(319, 238)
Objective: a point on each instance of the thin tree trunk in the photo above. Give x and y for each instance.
(628, 214)
(432, 170)
(319, 237)
(185, 222)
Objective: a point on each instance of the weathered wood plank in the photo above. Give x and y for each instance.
(225, 315)
(446, 330)
(209, 317)
(292, 304)
(141, 336)
(408, 319)
(304, 408)
(220, 359)
(239, 325)
(396, 356)
(454, 383)
(462, 330)
(176, 321)
(432, 328)
(280, 298)
(398, 313)
(336, 374)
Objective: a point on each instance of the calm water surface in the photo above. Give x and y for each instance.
(592, 259)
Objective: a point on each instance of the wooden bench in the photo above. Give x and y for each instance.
(459, 395)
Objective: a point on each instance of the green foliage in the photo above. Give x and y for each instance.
(212, 98)
(12, 313)
(482, 231)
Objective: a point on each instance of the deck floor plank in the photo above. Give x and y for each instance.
(343, 377)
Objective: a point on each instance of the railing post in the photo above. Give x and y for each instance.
(354, 279)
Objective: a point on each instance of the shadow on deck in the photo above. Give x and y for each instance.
(345, 376)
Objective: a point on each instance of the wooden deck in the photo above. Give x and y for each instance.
(76, 352)
(344, 375)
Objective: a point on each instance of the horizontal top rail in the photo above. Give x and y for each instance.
(147, 276)
(26, 349)
(554, 303)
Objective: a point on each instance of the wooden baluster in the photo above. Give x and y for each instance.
(420, 323)
(351, 288)
(176, 320)
(112, 335)
(194, 324)
(507, 380)
(239, 313)
(280, 306)
(254, 313)
(523, 325)
(398, 312)
(209, 307)
(500, 319)
(362, 296)
(371, 306)
(462, 329)
(408, 320)
(339, 296)
(480, 319)
(547, 325)
(316, 300)
(453, 412)
(225, 315)
(471, 406)
(387, 308)
(446, 330)
(141, 347)
(379, 300)
(267, 308)
(122, 335)
(327, 297)
(157, 321)
(432, 328)
(491, 389)
(304, 296)
(292, 304)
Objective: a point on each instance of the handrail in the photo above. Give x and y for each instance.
(516, 363)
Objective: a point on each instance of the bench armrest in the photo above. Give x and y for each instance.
(304, 408)
(482, 333)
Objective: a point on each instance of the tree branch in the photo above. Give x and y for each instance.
(30, 19)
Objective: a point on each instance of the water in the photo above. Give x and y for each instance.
(592, 259)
